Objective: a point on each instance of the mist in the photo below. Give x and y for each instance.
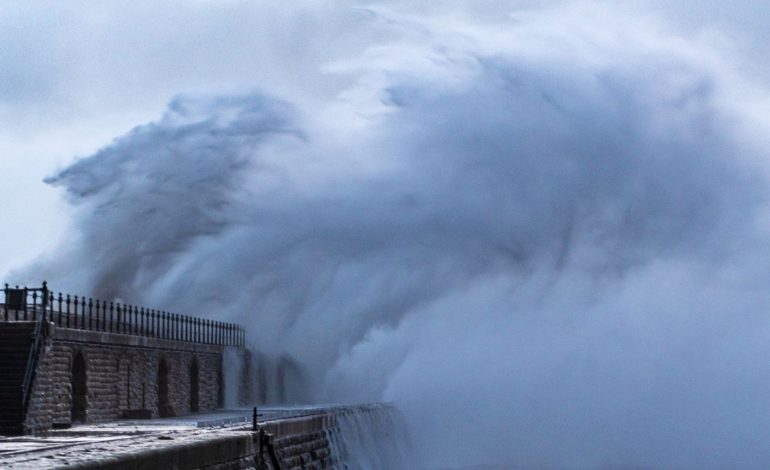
(542, 235)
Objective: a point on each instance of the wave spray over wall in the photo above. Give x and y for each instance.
(543, 236)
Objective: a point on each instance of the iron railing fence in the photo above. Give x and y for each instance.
(86, 313)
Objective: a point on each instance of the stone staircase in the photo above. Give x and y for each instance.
(15, 345)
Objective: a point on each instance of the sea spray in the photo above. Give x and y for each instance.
(370, 437)
(550, 227)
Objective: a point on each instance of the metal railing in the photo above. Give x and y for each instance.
(86, 313)
(37, 342)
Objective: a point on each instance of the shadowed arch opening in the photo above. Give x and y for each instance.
(79, 389)
(164, 408)
(194, 386)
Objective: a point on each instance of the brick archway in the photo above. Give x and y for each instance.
(194, 385)
(164, 407)
(79, 388)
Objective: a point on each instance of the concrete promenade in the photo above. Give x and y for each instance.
(145, 443)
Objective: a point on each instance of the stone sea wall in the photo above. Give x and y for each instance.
(122, 373)
(313, 442)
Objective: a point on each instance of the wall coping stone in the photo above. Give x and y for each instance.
(134, 341)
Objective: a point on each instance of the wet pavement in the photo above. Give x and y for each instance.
(80, 443)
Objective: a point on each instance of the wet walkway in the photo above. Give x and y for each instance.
(86, 442)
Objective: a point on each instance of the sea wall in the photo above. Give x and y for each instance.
(312, 442)
(99, 376)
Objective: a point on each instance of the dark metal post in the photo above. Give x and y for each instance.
(50, 303)
(90, 313)
(34, 304)
(5, 305)
(67, 302)
(112, 316)
(132, 311)
(75, 305)
(83, 306)
(59, 301)
(45, 300)
(98, 323)
(26, 293)
(254, 420)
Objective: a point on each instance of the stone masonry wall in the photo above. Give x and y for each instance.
(122, 374)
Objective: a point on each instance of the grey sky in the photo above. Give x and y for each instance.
(76, 74)
(547, 217)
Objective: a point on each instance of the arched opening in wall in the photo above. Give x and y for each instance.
(194, 386)
(79, 389)
(220, 387)
(164, 407)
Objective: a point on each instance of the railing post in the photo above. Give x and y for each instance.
(59, 301)
(50, 303)
(112, 317)
(26, 294)
(45, 300)
(67, 302)
(34, 305)
(83, 306)
(75, 308)
(98, 323)
(5, 305)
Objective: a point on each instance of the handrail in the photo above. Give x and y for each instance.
(34, 352)
(86, 313)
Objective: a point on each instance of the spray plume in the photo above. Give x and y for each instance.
(542, 237)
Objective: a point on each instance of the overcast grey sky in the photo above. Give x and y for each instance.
(544, 220)
(75, 74)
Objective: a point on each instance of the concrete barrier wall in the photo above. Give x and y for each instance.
(121, 374)
(225, 450)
